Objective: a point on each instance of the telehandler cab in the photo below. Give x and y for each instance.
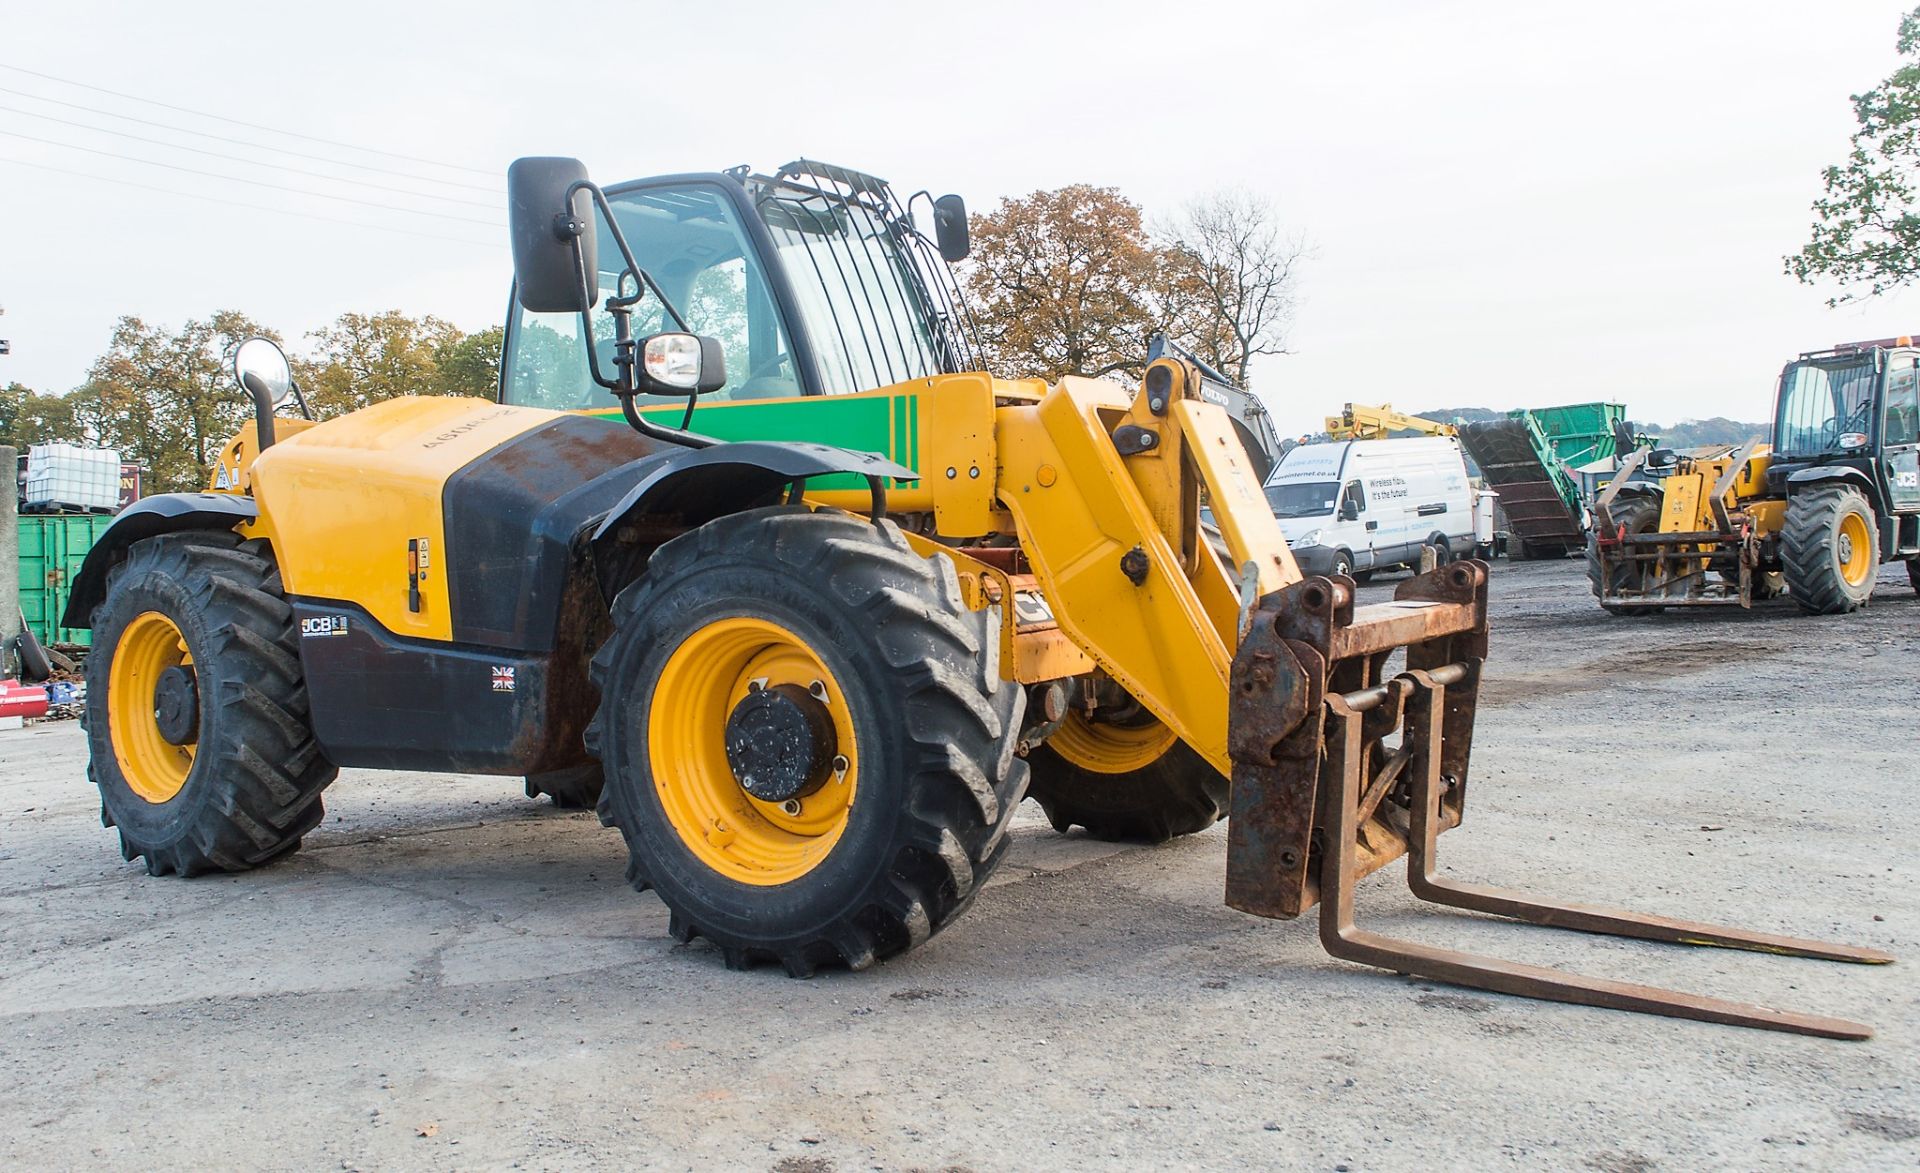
(818, 617)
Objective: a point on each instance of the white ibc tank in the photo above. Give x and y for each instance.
(66, 476)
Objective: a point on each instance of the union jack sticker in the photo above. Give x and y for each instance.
(502, 678)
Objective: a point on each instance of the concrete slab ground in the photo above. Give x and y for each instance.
(448, 975)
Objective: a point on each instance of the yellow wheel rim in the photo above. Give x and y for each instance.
(732, 832)
(154, 769)
(1111, 749)
(1856, 549)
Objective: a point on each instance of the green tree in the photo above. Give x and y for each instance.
(1868, 232)
(470, 364)
(28, 418)
(366, 358)
(167, 400)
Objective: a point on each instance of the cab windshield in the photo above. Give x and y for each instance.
(1822, 401)
(1303, 498)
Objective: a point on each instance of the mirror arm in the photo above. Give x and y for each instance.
(262, 415)
(300, 397)
(626, 385)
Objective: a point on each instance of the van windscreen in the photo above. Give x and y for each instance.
(1303, 498)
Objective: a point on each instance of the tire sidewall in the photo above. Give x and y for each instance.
(162, 824)
(860, 860)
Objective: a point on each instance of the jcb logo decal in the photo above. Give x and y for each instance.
(323, 625)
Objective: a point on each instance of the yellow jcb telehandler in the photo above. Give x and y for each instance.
(811, 619)
(1812, 514)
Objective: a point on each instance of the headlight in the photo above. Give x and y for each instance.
(1311, 538)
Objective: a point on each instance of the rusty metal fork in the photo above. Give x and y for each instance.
(1343, 939)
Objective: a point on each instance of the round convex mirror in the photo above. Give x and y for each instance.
(260, 365)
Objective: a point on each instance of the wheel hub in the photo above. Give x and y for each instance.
(780, 743)
(176, 706)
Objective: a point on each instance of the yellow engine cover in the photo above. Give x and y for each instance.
(347, 503)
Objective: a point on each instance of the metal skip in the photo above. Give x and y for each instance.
(1321, 799)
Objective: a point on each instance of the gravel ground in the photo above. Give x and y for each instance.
(449, 975)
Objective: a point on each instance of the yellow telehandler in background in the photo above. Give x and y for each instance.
(811, 618)
(1812, 514)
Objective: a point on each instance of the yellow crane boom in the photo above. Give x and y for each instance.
(1363, 421)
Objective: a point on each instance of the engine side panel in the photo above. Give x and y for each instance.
(345, 503)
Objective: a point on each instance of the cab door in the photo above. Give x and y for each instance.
(1900, 434)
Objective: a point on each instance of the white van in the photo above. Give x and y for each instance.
(1357, 506)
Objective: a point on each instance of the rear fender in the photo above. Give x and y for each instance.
(149, 517)
(688, 487)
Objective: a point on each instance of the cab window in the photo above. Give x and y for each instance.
(1903, 405)
(1356, 497)
(690, 240)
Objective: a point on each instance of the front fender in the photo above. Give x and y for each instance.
(697, 485)
(1805, 478)
(149, 517)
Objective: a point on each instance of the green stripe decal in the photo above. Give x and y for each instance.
(886, 424)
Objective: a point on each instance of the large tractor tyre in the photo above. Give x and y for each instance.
(1830, 549)
(1121, 782)
(197, 716)
(575, 789)
(1913, 573)
(1640, 515)
(806, 741)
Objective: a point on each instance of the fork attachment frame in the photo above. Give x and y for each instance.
(1321, 798)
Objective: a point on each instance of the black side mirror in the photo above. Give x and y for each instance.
(546, 228)
(950, 228)
(1349, 509)
(679, 364)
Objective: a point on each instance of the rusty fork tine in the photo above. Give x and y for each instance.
(1341, 938)
(1422, 860)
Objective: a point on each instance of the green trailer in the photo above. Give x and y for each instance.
(1578, 433)
(52, 546)
(1528, 459)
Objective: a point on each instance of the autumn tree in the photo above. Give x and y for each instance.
(167, 400)
(1062, 283)
(1230, 281)
(28, 418)
(1072, 282)
(1868, 232)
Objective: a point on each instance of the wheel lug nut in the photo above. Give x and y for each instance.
(790, 808)
(817, 691)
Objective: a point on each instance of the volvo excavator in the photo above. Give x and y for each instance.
(755, 554)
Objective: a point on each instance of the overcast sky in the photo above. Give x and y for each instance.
(1509, 203)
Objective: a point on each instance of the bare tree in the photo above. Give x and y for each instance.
(1230, 289)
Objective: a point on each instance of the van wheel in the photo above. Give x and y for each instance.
(1342, 564)
(1442, 550)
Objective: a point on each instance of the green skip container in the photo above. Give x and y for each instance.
(52, 546)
